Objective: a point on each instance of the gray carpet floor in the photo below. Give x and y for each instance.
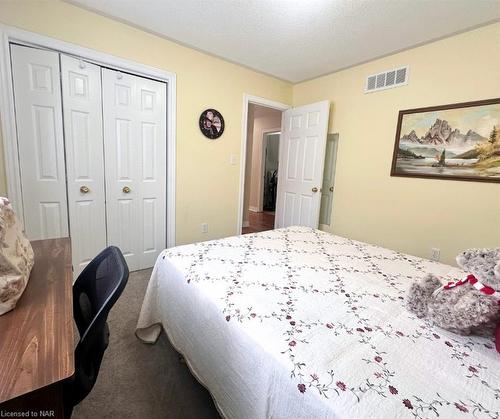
(138, 380)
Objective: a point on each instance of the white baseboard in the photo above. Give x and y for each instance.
(253, 209)
(246, 224)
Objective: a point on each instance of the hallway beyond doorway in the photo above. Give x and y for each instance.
(259, 221)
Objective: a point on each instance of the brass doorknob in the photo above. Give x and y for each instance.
(84, 189)
(331, 188)
(126, 189)
(315, 189)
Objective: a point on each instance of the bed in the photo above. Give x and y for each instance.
(299, 323)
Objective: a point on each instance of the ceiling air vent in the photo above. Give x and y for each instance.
(387, 80)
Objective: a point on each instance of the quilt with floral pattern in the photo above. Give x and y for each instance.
(296, 323)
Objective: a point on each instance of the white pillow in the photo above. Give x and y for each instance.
(16, 258)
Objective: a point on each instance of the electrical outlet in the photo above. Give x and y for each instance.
(435, 254)
(204, 227)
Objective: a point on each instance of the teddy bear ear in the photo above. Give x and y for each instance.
(497, 270)
(462, 257)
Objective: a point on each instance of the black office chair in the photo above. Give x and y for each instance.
(95, 292)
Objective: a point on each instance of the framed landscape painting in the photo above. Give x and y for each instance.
(457, 142)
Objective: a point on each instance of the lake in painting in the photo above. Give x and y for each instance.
(461, 143)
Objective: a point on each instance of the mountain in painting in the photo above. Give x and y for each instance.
(410, 138)
(442, 134)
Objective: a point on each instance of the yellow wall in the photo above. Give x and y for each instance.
(207, 185)
(408, 214)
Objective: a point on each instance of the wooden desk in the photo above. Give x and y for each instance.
(37, 337)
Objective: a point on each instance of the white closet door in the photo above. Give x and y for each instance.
(302, 158)
(37, 95)
(135, 160)
(82, 106)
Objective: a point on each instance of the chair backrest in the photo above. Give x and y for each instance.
(95, 292)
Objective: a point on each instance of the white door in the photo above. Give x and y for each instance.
(82, 109)
(302, 157)
(37, 96)
(325, 212)
(135, 165)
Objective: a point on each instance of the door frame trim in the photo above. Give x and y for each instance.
(9, 35)
(327, 227)
(247, 100)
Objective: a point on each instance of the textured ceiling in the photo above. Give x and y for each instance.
(297, 40)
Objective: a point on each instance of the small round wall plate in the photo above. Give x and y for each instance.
(211, 123)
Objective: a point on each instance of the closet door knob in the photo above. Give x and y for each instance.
(331, 188)
(315, 189)
(84, 189)
(126, 189)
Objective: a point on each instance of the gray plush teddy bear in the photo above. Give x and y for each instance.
(462, 308)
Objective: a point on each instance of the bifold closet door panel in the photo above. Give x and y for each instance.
(134, 113)
(82, 109)
(37, 97)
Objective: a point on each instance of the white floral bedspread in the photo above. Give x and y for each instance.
(298, 323)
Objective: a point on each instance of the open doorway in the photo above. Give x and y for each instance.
(286, 190)
(261, 168)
